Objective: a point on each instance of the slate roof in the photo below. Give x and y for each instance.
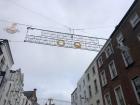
(28, 94)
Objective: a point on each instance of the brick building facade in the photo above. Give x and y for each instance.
(119, 61)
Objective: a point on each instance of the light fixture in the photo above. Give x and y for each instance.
(77, 44)
(61, 43)
(12, 28)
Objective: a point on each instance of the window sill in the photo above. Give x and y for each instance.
(114, 77)
(134, 28)
(130, 65)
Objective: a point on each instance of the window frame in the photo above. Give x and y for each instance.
(106, 50)
(96, 86)
(134, 19)
(106, 99)
(88, 77)
(127, 58)
(100, 61)
(90, 91)
(135, 91)
(102, 75)
(112, 77)
(118, 103)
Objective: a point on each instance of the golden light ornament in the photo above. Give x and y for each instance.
(12, 28)
(77, 44)
(61, 43)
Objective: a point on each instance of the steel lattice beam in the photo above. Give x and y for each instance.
(67, 40)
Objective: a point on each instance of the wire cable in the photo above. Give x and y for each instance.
(39, 14)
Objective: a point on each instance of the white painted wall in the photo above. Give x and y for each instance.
(95, 96)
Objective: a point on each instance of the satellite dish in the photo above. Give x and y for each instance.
(12, 28)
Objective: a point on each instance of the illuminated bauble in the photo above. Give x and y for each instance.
(12, 29)
(60, 43)
(77, 45)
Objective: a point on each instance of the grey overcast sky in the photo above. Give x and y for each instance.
(55, 71)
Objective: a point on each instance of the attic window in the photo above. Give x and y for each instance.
(134, 20)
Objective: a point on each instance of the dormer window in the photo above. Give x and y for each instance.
(108, 51)
(100, 61)
(135, 19)
(120, 38)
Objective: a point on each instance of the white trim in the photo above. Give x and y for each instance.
(134, 20)
(138, 99)
(119, 86)
(119, 37)
(100, 61)
(106, 50)
(109, 98)
(112, 77)
(103, 80)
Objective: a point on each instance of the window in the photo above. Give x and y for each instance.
(134, 20)
(8, 90)
(112, 69)
(85, 93)
(108, 51)
(127, 58)
(75, 96)
(103, 78)
(90, 92)
(88, 77)
(98, 102)
(0, 51)
(107, 99)
(83, 83)
(2, 62)
(93, 70)
(120, 38)
(4, 102)
(136, 86)
(119, 96)
(1, 77)
(95, 86)
(79, 87)
(85, 96)
(100, 61)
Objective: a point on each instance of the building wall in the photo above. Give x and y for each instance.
(86, 81)
(125, 74)
(5, 55)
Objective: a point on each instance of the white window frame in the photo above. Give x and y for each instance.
(110, 49)
(125, 60)
(112, 77)
(135, 91)
(119, 86)
(120, 38)
(106, 99)
(100, 61)
(103, 78)
(98, 102)
(134, 20)
(96, 86)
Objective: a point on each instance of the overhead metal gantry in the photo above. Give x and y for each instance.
(67, 40)
(60, 39)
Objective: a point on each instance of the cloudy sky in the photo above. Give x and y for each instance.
(55, 71)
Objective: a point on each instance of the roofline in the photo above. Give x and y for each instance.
(74, 91)
(125, 16)
(116, 29)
